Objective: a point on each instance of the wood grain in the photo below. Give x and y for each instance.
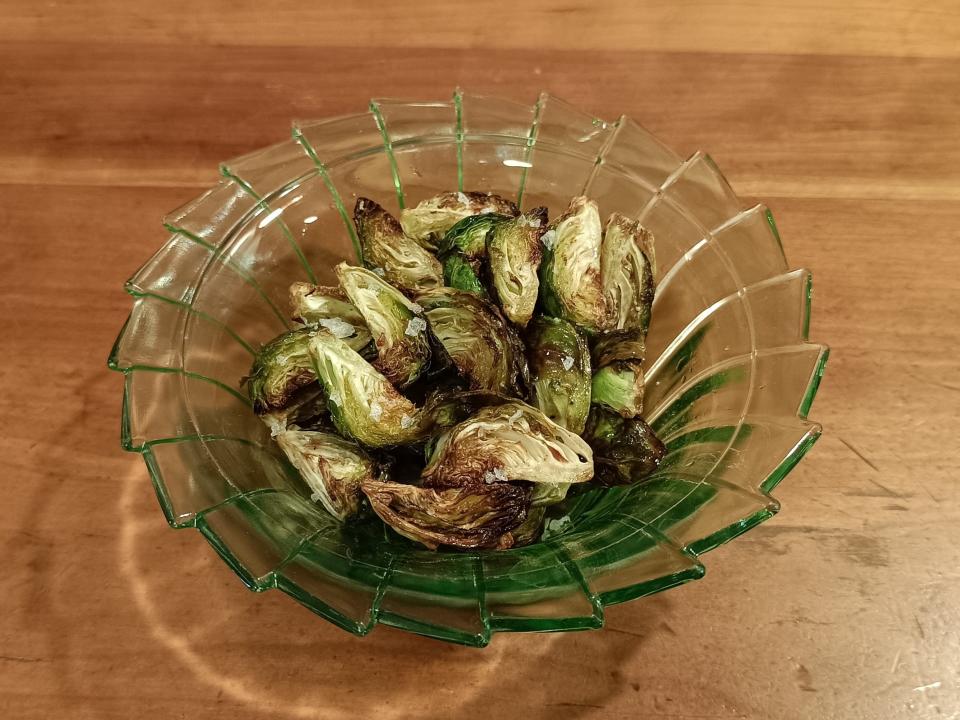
(877, 27)
(843, 606)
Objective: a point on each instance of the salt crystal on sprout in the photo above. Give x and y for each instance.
(376, 411)
(415, 327)
(549, 238)
(567, 362)
(338, 328)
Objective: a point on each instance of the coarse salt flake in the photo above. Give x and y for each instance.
(335, 398)
(416, 308)
(549, 239)
(376, 410)
(415, 327)
(406, 421)
(379, 271)
(463, 198)
(567, 362)
(338, 327)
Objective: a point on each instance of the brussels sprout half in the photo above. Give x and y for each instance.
(507, 442)
(281, 368)
(329, 308)
(481, 343)
(619, 387)
(332, 467)
(513, 255)
(362, 402)
(559, 362)
(625, 450)
(429, 221)
(400, 333)
(463, 274)
(471, 516)
(570, 280)
(404, 262)
(627, 273)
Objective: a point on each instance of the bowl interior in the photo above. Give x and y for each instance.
(730, 374)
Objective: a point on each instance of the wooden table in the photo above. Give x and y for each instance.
(843, 119)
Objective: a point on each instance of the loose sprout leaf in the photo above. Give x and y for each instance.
(559, 362)
(484, 347)
(281, 368)
(509, 446)
(400, 334)
(332, 467)
(362, 402)
(429, 221)
(570, 279)
(548, 493)
(406, 265)
(472, 516)
(514, 252)
(306, 406)
(463, 274)
(625, 450)
(627, 273)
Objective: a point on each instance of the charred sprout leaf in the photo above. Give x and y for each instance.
(332, 467)
(404, 262)
(512, 441)
(471, 516)
(481, 343)
(514, 252)
(626, 450)
(362, 402)
(627, 273)
(463, 274)
(618, 345)
(570, 283)
(280, 369)
(306, 406)
(619, 387)
(399, 331)
(529, 531)
(328, 307)
(559, 372)
(429, 221)
(446, 408)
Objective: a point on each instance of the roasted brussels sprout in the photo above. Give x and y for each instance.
(471, 516)
(481, 343)
(429, 221)
(362, 402)
(625, 450)
(513, 256)
(332, 467)
(405, 264)
(559, 362)
(281, 368)
(399, 331)
(529, 531)
(627, 273)
(329, 308)
(512, 441)
(570, 281)
(618, 382)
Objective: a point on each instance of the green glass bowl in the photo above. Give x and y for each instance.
(731, 375)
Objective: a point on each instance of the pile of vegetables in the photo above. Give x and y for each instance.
(481, 363)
